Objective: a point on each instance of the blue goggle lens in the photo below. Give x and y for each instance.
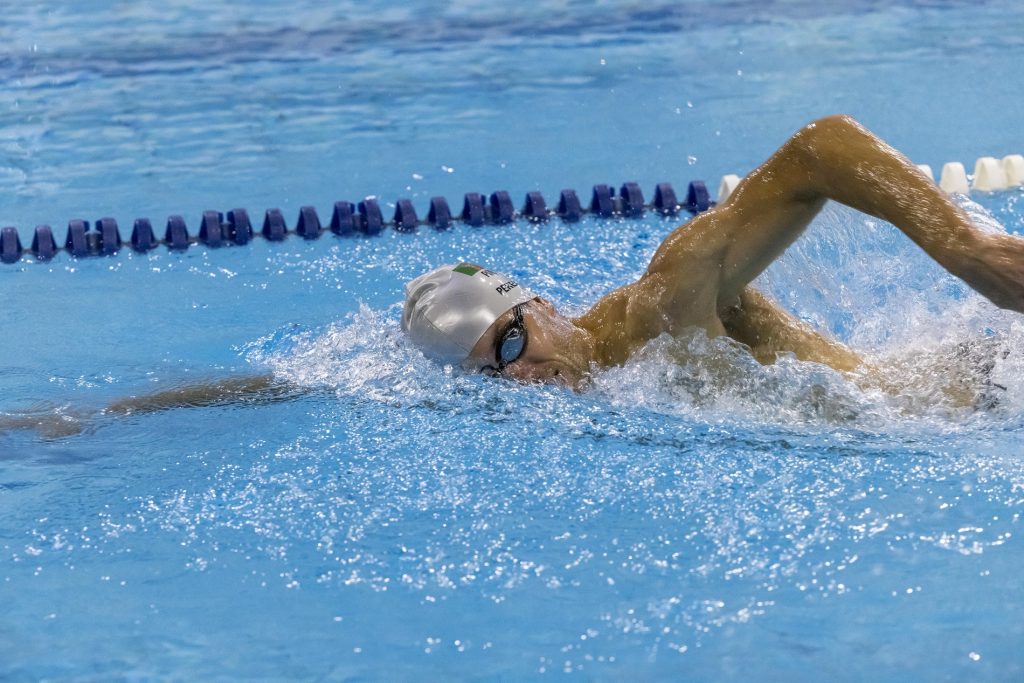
(512, 346)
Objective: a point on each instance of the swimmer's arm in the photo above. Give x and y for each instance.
(251, 389)
(836, 158)
(760, 323)
(53, 423)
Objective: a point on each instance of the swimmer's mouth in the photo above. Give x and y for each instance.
(555, 376)
(576, 382)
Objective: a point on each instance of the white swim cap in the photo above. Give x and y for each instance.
(448, 309)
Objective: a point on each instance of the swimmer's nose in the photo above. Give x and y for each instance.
(529, 372)
(520, 372)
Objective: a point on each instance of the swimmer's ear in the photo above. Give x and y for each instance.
(544, 303)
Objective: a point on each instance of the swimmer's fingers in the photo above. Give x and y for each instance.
(48, 425)
(996, 270)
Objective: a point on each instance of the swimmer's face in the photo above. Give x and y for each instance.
(556, 350)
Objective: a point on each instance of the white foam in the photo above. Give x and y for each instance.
(854, 276)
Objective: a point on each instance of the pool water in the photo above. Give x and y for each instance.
(692, 516)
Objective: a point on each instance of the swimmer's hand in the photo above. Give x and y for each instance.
(58, 422)
(47, 421)
(995, 268)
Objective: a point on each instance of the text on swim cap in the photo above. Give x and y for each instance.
(506, 287)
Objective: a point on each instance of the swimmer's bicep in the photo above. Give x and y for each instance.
(733, 243)
(727, 248)
(767, 212)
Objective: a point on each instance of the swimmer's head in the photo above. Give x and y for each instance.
(450, 308)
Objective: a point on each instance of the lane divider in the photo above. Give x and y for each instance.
(216, 229)
(1014, 167)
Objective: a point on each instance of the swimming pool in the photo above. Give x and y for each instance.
(693, 516)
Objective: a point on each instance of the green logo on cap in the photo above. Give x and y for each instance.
(467, 269)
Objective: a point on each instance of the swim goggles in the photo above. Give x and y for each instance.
(511, 345)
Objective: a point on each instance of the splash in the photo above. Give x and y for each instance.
(365, 356)
(933, 349)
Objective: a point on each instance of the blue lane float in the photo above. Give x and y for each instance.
(371, 220)
(274, 227)
(109, 236)
(10, 245)
(473, 209)
(501, 208)
(44, 246)
(697, 197)
(632, 200)
(536, 209)
(405, 216)
(216, 229)
(239, 226)
(440, 215)
(210, 232)
(601, 201)
(665, 201)
(308, 225)
(569, 208)
(176, 234)
(77, 243)
(143, 237)
(343, 219)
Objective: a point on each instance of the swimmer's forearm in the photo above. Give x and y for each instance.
(847, 163)
(836, 158)
(850, 165)
(769, 331)
(257, 388)
(54, 423)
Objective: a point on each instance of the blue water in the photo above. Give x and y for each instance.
(694, 516)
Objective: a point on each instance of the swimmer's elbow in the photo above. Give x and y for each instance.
(831, 126)
(814, 141)
(822, 156)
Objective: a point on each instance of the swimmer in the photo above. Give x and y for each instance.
(699, 278)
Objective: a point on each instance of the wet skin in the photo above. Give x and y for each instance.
(699, 277)
(561, 351)
(557, 350)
